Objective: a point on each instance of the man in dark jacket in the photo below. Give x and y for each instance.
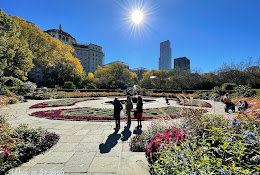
(117, 109)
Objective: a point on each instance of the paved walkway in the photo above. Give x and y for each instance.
(87, 147)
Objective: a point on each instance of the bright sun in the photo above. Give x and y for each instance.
(137, 16)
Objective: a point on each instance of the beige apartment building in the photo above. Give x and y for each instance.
(90, 55)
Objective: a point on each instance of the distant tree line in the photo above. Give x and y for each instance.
(239, 74)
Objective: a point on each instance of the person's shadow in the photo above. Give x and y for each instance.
(126, 133)
(111, 141)
(138, 131)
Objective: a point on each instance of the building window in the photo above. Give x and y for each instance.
(67, 39)
(63, 38)
(59, 37)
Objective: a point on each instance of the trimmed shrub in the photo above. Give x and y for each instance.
(91, 86)
(11, 81)
(228, 86)
(69, 85)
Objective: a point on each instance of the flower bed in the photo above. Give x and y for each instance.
(68, 103)
(252, 112)
(212, 145)
(163, 141)
(22, 143)
(87, 113)
(196, 103)
(4, 100)
(204, 104)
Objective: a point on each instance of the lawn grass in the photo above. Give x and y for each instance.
(65, 102)
(57, 103)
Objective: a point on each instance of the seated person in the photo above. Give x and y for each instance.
(241, 105)
(246, 106)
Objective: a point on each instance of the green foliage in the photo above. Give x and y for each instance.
(217, 90)
(69, 85)
(15, 55)
(115, 76)
(244, 91)
(138, 141)
(11, 82)
(52, 57)
(228, 86)
(22, 143)
(91, 86)
(216, 145)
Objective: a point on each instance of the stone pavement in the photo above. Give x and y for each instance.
(86, 147)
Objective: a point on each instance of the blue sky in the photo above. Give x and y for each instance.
(208, 32)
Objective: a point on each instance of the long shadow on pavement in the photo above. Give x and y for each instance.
(126, 133)
(111, 141)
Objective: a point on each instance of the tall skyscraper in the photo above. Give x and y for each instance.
(182, 64)
(165, 60)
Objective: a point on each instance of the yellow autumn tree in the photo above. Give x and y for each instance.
(115, 76)
(51, 56)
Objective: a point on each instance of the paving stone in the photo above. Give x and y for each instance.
(108, 132)
(47, 168)
(20, 170)
(126, 147)
(57, 157)
(86, 147)
(64, 131)
(65, 126)
(91, 127)
(104, 165)
(68, 173)
(132, 163)
(66, 147)
(94, 132)
(103, 127)
(103, 173)
(79, 162)
(82, 132)
(71, 139)
(78, 127)
(92, 138)
(105, 150)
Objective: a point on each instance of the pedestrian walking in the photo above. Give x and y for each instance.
(117, 109)
(128, 107)
(226, 101)
(139, 107)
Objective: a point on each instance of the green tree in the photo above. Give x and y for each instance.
(115, 76)
(53, 57)
(15, 55)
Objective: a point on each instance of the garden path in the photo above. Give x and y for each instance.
(87, 147)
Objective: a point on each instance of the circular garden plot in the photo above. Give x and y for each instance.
(107, 114)
(57, 103)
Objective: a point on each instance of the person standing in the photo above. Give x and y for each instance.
(226, 101)
(139, 107)
(128, 107)
(117, 109)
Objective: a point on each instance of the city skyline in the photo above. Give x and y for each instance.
(165, 59)
(209, 33)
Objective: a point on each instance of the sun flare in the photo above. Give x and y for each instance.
(137, 16)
